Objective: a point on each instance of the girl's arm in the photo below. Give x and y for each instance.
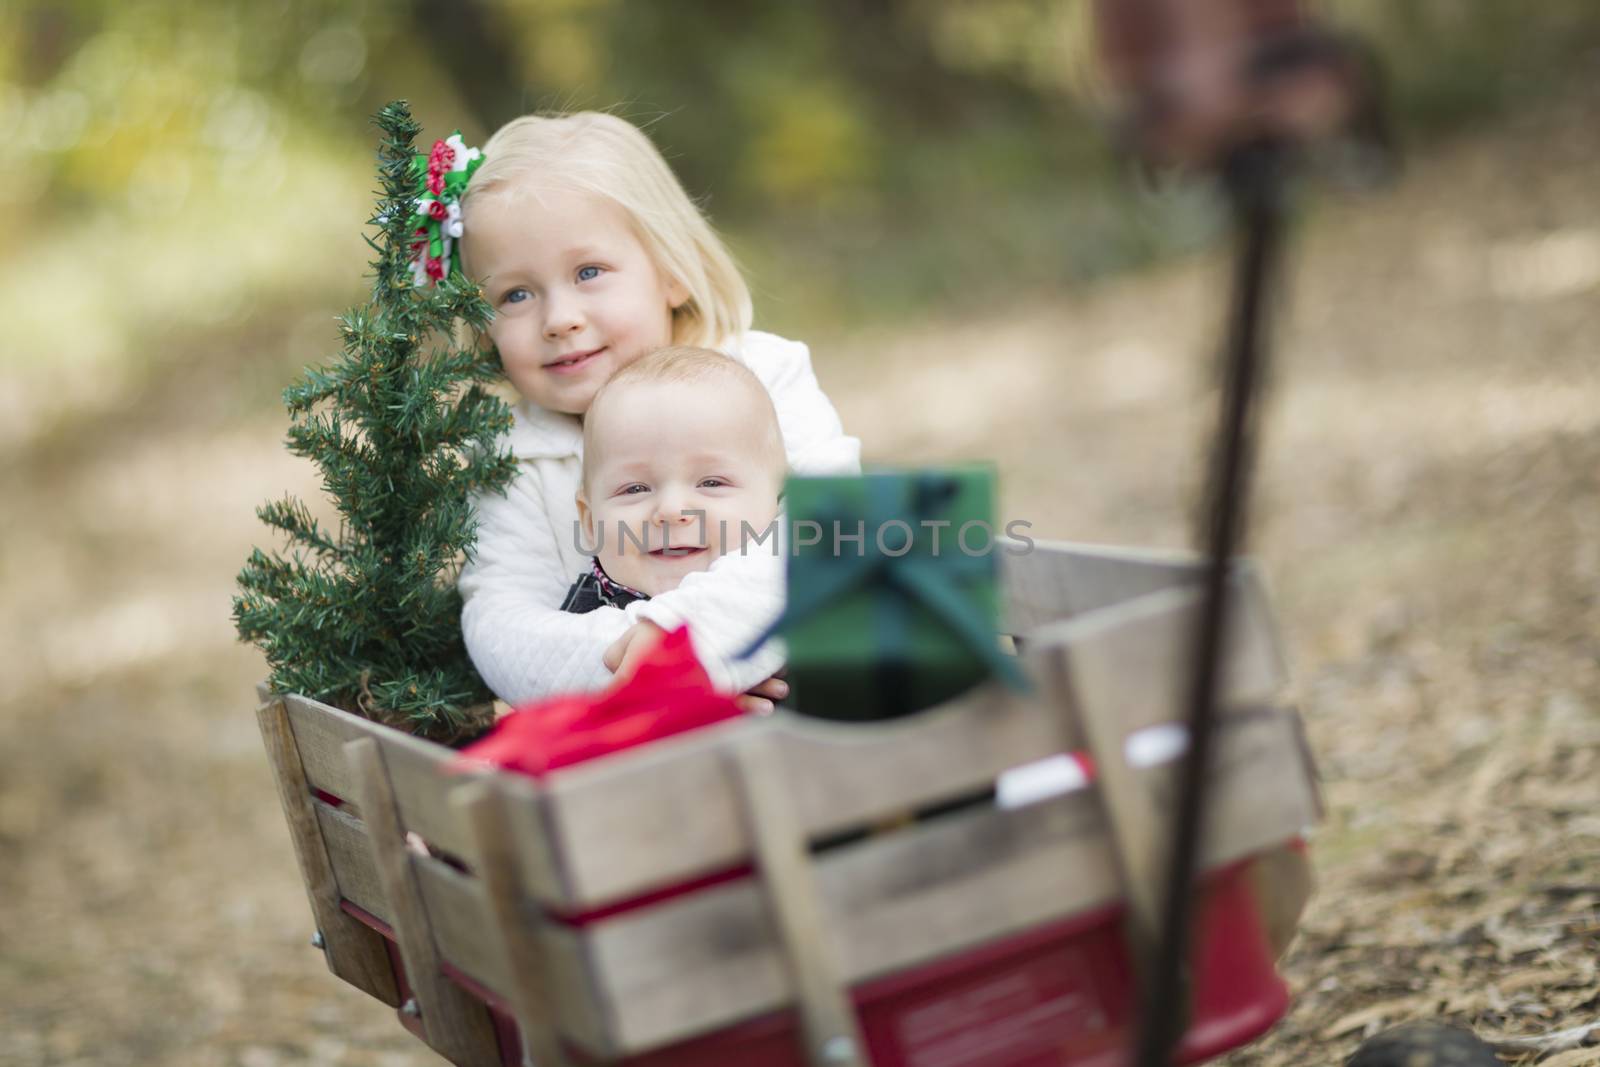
(522, 644)
(813, 436)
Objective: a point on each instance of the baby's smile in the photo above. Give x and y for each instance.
(678, 551)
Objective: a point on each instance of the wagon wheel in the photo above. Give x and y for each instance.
(1424, 1044)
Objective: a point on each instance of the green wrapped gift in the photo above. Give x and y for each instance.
(892, 602)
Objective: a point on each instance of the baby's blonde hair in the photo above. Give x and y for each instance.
(604, 155)
(692, 365)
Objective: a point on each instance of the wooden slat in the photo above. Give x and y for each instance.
(1266, 749)
(805, 931)
(670, 813)
(528, 835)
(423, 782)
(322, 731)
(456, 1025)
(1136, 825)
(692, 965)
(418, 770)
(1058, 579)
(1282, 881)
(846, 775)
(1136, 654)
(966, 880)
(422, 786)
(350, 854)
(579, 1005)
(599, 816)
(415, 767)
(354, 953)
(463, 926)
(667, 812)
(529, 991)
(467, 936)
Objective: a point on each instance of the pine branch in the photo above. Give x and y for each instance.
(294, 518)
(404, 437)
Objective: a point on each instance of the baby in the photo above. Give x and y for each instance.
(683, 461)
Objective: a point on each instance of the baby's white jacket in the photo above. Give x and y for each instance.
(528, 553)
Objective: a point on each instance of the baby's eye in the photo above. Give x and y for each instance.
(712, 483)
(633, 488)
(516, 296)
(588, 274)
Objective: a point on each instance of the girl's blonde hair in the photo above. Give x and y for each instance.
(602, 154)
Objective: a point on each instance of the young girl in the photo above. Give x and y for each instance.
(592, 255)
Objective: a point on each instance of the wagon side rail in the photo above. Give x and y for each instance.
(670, 811)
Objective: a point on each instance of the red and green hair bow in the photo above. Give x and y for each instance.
(441, 178)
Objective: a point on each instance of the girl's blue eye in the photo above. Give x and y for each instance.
(629, 490)
(588, 274)
(712, 483)
(517, 296)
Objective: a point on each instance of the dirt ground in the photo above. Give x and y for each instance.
(1427, 511)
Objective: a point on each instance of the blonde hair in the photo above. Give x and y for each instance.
(604, 155)
(691, 365)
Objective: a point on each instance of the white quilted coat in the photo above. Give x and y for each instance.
(527, 553)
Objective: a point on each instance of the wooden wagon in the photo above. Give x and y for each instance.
(756, 892)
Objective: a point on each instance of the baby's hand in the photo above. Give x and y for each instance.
(626, 651)
(761, 699)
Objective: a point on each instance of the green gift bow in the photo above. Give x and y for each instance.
(932, 582)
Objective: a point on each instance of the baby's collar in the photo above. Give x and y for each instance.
(610, 588)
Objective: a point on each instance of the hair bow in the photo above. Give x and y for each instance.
(441, 178)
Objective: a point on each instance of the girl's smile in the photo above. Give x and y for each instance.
(573, 363)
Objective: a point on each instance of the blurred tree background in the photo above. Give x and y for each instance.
(909, 183)
(185, 182)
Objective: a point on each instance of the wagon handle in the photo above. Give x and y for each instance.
(1234, 87)
(1254, 178)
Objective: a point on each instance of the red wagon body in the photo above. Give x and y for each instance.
(1058, 996)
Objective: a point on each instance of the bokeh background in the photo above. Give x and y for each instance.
(920, 190)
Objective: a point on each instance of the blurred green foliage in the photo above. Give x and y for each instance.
(176, 169)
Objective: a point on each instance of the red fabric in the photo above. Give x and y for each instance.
(668, 694)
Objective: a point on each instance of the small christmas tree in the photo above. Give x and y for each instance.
(404, 432)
